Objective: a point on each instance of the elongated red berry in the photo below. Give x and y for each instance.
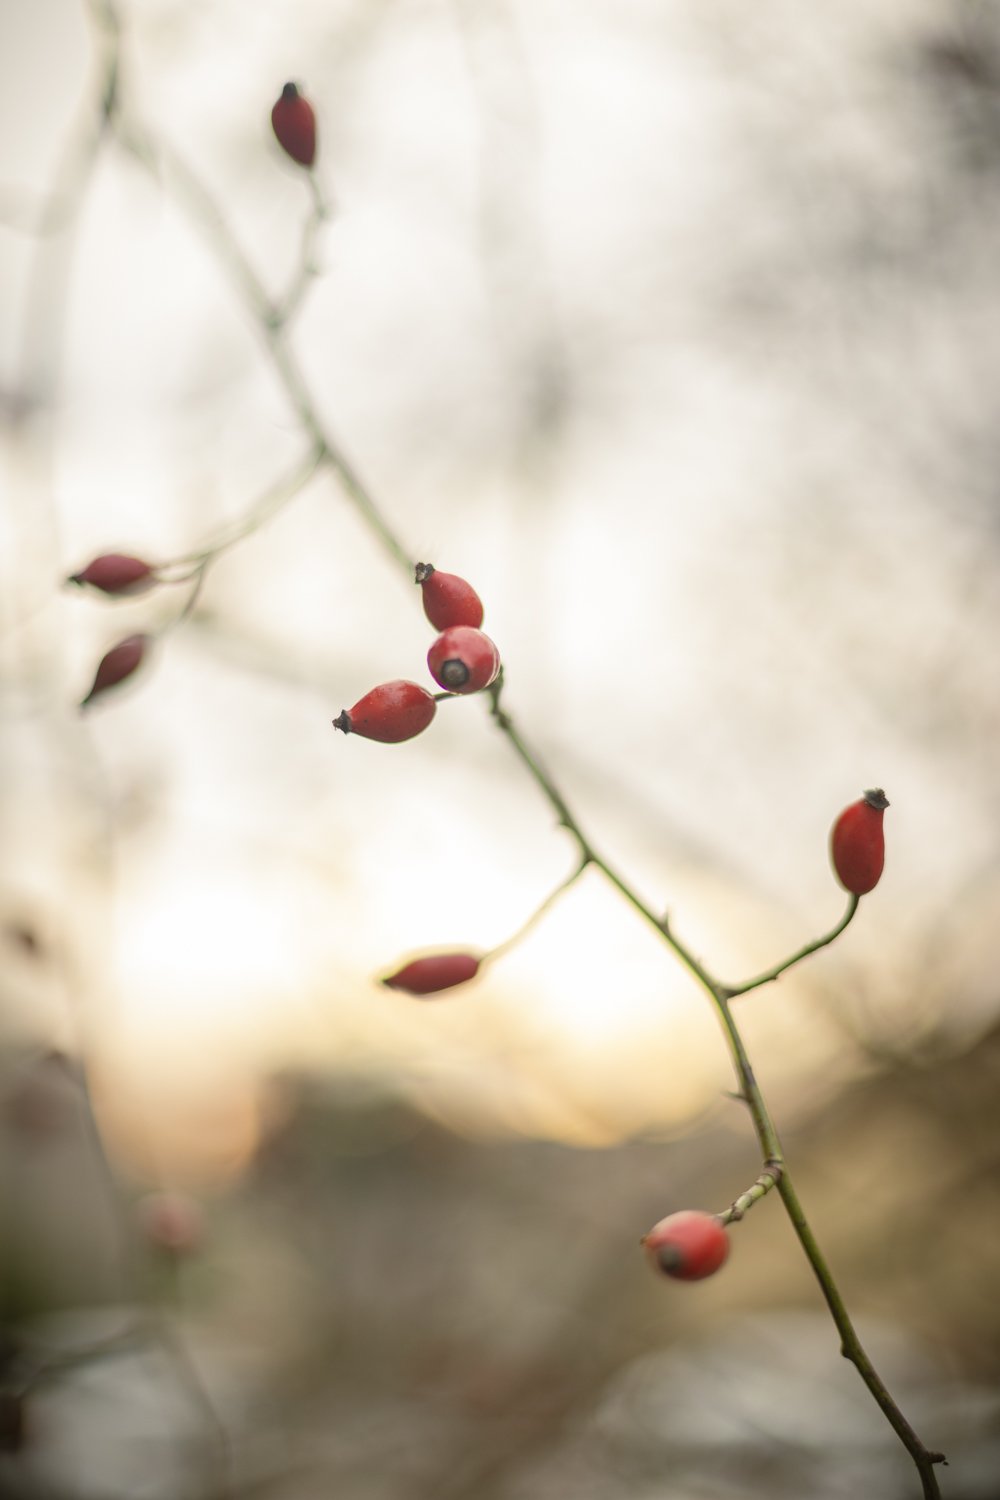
(857, 843)
(118, 664)
(294, 122)
(448, 599)
(688, 1246)
(391, 712)
(116, 573)
(439, 971)
(463, 660)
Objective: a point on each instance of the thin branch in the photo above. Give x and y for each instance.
(270, 321)
(731, 991)
(759, 1188)
(539, 912)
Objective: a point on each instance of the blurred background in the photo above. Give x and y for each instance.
(674, 328)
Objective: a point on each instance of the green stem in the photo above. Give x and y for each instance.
(538, 912)
(852, 1349)
(732, 990)
(269, 322)
(776, 1168)
(759, 1188)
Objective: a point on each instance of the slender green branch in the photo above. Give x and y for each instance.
(851, 1347)
(539, 912)
(768, 1179)
(776, 1169)
(271, 324)
(731, 991)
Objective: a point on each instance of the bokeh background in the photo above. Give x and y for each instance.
(674, 327)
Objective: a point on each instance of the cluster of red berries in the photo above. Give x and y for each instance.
(461, 660)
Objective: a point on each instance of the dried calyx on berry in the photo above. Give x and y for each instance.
(448, 600)
(463, 659)
(116, 573)
(857, 843)
(293, 120)
(390, 713)
(436, 972)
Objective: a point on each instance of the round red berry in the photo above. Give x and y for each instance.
(463, 659)
(439, 971)
(118, 664)
(391, 712)
(448, 599)
(857, 843)
(116, 573)
(294, 122)
(688, 1246)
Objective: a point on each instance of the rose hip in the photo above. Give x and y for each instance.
(116, 573)
(439, 971)
(857, 843)
(448, 600)
(391, 712)
(293, 120)
(463, 660)
(688, 1245)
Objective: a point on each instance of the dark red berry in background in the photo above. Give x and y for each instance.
(440, 971)
(118, 664)
(294, 122)
(116, 573)
(463, 660)
(688, 1245)
(857, 843)
(448, 599)
(391, 712)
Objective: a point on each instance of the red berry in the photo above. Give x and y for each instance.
(118, 664)
(392, 712)
(171, 1223)
(294, 123)
(463, 659)
(448, 599)
(116, 573)
(688, 1245)
(857, 843)
(441, 971)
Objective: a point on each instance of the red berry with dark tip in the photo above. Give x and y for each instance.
(448, 599)
(439, 971)
(116, 573)
(463, 659)
(688, 1245)
(391, 712)
(294, 123)
(857, 843)
(118, 664)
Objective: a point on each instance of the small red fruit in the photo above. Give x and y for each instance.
(463, 659)
(118, 664)
(294, 122)
(448, 599)
(440, 971)
(116, 573)
(688, 1246)
(392, 712)
(172, 1223)
(857, 843)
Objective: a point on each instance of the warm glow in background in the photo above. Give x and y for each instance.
(656, 324)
